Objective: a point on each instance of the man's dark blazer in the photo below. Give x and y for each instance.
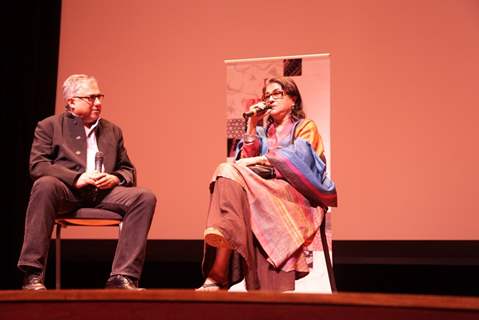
(59, 149)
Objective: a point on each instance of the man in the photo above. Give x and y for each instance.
(62, 163)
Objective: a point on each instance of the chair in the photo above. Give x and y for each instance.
(327, 257)
(85, 217)
(315, 281)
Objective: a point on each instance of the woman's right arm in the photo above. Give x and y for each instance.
(251, 142)
(250, 148)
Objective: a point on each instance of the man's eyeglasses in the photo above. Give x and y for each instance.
(91, 98)
(276, 95)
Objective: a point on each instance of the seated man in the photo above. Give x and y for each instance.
(62, 164)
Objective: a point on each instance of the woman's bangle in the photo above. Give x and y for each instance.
(249, 138)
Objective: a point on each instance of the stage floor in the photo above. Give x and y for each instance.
(188, 304)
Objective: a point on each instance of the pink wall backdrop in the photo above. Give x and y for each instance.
(404, 101)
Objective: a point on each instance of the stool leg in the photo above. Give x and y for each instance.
(58, 258)
(327, 257)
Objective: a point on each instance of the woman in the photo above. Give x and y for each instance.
(266, 208)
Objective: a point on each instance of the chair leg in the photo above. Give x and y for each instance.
(327, 257)
(58, 253)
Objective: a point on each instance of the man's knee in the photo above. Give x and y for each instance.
(47, 184)
(147, 197)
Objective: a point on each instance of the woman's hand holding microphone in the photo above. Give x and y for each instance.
(256, 113)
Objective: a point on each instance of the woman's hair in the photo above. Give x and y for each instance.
(291, 89)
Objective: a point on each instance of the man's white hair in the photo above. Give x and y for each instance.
(73, 83)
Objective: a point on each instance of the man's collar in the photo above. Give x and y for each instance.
(74, 116)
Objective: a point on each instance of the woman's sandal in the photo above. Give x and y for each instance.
(211, 285)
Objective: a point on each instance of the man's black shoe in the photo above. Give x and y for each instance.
(119, 281)
(33, 281)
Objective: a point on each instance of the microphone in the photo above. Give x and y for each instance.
(256, 111)
(99, 157)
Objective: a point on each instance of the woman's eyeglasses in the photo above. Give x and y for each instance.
(276, 95)
(91, 98)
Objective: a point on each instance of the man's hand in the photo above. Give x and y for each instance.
(99, 180)
(106, 181)
(85, 179)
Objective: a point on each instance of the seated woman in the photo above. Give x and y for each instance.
(259, 223)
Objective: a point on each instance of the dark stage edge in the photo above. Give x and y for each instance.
(188, 304)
